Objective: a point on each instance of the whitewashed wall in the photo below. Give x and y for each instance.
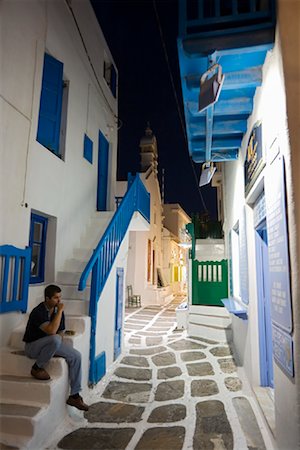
(270, 108)
(33, 178)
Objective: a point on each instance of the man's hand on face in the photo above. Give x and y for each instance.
(60, 307)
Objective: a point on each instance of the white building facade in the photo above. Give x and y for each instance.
(261, 231)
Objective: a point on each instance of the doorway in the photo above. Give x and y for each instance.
(264, 306)
(119, 312)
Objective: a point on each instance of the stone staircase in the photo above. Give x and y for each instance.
(210, 322)
(31, 410)
(77, 302)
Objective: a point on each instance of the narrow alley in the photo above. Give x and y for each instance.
(168, 392)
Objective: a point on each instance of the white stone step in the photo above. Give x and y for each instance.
(95, 230)
(14, 362)
(76, 322)
(72, 292)
(28, 430)
(82, 253)
(18, 419)
(26, 389)
(216, 334)
(71, 278)
(76, 307)
(216, 321)
(74, 265)
(209, 310)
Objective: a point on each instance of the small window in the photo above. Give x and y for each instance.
(110, 75)
(53, 107)
(88, 149)
(37, 242)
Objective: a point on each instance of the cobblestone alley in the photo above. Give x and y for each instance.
(168, 392)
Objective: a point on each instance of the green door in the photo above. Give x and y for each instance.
(210, 282)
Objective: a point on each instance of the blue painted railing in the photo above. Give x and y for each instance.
(201, 16)
(102, 259)
(14, 278)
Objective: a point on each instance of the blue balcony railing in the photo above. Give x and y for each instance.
(103, 257)
(199, 16)
(14, 278)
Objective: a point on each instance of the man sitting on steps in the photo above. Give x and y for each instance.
(43, 340)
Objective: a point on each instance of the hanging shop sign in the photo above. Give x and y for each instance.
(283, 350)
(278, 245)
(254, 162)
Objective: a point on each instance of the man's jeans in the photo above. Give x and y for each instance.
(43, 349)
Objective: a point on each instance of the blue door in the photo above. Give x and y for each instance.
(119, 312)
(264, 306)
(102, 172)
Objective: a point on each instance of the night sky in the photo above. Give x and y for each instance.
(132, 32)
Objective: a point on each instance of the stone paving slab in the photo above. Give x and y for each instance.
(151, 333)
(205, 340)
(148, 351)
(212, 430)
(203, 388)
(227, 365)
(114, 413)
(168, 413)
(248, 423)
(169, 390)
(221, 351)
(169, 372)
(170, 438)
(192, 356)
(97, 439)
(135, 340)
(133, 373)
(154, 340)
(164, 329)
(138, 361)
(184, 344)
(128, 392)
(200, 369)
(233, 384)
(164, 359)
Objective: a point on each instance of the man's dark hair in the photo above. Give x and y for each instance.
(51, 290)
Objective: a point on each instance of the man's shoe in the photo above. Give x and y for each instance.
(77, 403)
(39, 373)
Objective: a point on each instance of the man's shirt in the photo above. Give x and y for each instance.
(38, 316)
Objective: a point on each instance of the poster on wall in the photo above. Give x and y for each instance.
(283, 351)
(254, 162)
(278, 245)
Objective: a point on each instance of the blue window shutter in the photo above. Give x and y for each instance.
(88, 149)
(48, 133)
(113, 81)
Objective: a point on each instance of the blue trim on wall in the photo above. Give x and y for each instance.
(48, 133)
(39, 243)
(88, 149)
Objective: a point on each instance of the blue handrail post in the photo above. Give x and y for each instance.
(93, 315)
